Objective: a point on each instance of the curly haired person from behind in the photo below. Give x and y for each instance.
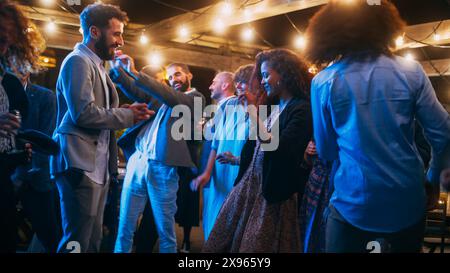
(20, 46)
(364, 107)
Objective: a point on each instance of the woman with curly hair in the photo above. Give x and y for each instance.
(20, 46)
(261, 212)
(364, 108)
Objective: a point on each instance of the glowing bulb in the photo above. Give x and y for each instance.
(183, 32)
(437, 37)
(219, 26)
(400, 41)
(226, 8)
(51, 27)
(155, 59)
(47, 2)
(313, 70)
(46, 60)
(300, 42)
(143, 39)
(80, 30)
(247, 34)
(409, 57)
(247, 14)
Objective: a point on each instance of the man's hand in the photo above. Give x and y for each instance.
(228, 158)
(29, 152)
(140, 111)
(126, 62)
(311, 149)
(200, 182)
(8, 124)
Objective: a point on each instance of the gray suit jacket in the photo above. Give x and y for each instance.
(179, 153)
(82, 115)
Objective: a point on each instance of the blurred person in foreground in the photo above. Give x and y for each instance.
(364, 108)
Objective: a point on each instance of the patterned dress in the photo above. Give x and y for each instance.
(314, 206)
(5, 143)
(248, 224)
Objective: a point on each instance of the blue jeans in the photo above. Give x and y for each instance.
(148, 179)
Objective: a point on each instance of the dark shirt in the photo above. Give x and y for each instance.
(42, 118)
(283, 174)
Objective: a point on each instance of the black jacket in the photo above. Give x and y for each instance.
(282, 171)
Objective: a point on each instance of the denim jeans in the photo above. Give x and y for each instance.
(148, 179)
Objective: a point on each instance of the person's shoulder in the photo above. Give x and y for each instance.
(42, 91)
(195, 93)
(326, 75)
(75, 57)
(298, 104)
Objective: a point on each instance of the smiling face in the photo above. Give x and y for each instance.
(270, 80)
(179, 79)
(108, 39)
(241, 87)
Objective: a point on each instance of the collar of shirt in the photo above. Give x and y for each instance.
(224, 100)
(90, 54)
(193, 89)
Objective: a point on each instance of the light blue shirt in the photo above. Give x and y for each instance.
(364, 116)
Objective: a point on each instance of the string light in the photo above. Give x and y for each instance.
(400, 41)
(247, 34)
(300, 42)
(80, 30)
(47, 2)
(409, 57)
(313, 70)
(46, 60)
(226, 8)
(247, 14)
(219, 26)
(51, 27)
(437, 37)
(143, 39)
(155, 59)
(183, 32)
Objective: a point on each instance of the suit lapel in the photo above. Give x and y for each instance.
(113, 96)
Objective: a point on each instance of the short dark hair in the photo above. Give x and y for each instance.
(184, 67)
(244, 73)
(343, 29)
(99, 15)
(292, 69)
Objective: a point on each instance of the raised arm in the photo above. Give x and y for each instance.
(128, 86)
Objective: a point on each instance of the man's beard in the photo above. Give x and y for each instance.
(102, 49)
(183, 88)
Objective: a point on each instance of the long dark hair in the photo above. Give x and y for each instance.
(292, 69)
(343, 28)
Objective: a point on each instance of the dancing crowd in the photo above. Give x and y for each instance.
(286, 161)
